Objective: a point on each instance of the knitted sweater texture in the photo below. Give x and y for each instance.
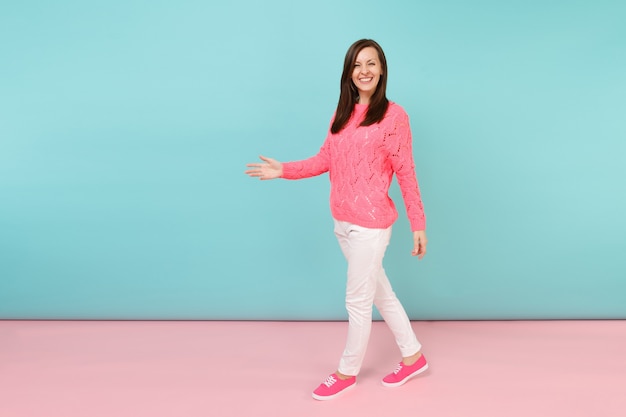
(361, 161)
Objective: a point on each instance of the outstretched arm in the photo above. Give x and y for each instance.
(269, 169)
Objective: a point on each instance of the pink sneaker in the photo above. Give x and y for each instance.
(333, 386)
(403, 373)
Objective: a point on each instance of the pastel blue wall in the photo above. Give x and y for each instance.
(125, 127)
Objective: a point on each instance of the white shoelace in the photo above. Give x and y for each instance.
(398, 368)
(330, 381)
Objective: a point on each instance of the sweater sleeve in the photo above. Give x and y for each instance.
(310, 167)
(400, 149)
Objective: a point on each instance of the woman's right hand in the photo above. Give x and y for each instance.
(268, 170)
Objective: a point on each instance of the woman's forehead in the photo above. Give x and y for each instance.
(367, 54)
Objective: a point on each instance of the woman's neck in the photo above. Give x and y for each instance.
(364, 99)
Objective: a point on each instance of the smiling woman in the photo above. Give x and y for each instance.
(365, 59)
(363, 150)
(366, 74)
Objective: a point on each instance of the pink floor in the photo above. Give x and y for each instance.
(244, 369)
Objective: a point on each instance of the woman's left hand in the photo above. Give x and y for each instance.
(419, 244)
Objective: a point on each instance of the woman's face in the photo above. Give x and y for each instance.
(366, 73)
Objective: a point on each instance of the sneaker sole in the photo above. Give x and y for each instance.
(405, 380)
(330, 397)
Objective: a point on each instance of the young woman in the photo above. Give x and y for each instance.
(369, 141)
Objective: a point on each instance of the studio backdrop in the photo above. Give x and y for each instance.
(125, 127)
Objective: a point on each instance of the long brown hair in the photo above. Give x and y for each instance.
(349, 93)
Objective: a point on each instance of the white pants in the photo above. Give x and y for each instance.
(368, 285)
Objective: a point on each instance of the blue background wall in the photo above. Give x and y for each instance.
(125, 127)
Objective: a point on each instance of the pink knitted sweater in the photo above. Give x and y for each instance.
(361, 161)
